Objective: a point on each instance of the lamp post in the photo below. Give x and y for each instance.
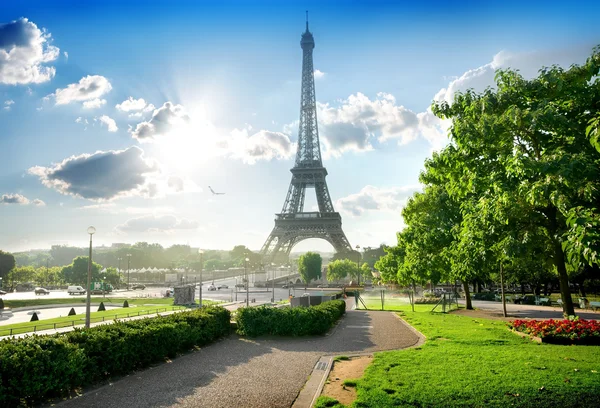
(104, 287)
(119, 260)
(247, 283)
(200, 290)
(273, 281)
(0, 283)
(91, 231)
(128, 264)
(358, 264)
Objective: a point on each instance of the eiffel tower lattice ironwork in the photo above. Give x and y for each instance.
(293, 225)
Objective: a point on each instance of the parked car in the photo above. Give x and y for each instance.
(138, 286)
(306, 294)
(42, 291)
(212, 287)
(240, 285)
(222, 286)
(2, 292)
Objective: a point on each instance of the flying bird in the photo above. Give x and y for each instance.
(213, 191)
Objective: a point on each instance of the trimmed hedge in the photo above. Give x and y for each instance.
(33, 369)
(297, 321)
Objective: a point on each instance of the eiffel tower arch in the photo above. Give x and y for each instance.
(293, 224)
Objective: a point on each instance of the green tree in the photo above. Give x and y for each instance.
(340, 269)
(21, 274)
(7, 263)
(76, 272)
(309, 267)
(365, 271)
(527, 142)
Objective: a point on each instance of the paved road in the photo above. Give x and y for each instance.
(530, 311)
(241, 372)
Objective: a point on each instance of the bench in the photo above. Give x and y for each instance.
(595, 305)
(542, 301)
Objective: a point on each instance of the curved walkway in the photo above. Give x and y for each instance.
(242, 372)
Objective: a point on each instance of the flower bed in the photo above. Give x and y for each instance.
(567, 331)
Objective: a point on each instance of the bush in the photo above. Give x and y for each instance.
(298, 321)
(101, 308)
(40, 367)
(483, 296)
(37, 367)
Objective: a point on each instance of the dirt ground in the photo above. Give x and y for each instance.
(351, 369)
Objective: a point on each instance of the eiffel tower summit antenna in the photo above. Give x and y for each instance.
(293, 224)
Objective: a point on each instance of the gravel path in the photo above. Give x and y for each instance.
(240, 372)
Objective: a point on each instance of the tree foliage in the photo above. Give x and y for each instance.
(309, 266)
(340, 269)
(7, 263)
(76, 272)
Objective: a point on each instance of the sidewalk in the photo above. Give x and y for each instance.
(241, 372)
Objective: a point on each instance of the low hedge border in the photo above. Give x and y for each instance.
(36, 368)
(297, 321)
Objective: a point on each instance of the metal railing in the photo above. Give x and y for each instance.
(72, 323)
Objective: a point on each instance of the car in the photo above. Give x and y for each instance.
(222, 286)
(212, 287)
(75, 290)
(138, 286)
(240, 285)
(2, 292)
(306, 294)
(42, 291)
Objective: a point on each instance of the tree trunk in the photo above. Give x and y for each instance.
(522, 289)
(502, 291)
(559, 261)
(468, 303)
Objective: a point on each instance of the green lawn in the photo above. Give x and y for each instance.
(469, 362)
(395, 304)
(107, 315)
(95, 299)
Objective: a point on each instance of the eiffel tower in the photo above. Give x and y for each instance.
(293, 224)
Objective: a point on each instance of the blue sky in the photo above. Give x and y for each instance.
(180, 96)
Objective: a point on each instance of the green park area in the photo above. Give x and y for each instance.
(473, 362)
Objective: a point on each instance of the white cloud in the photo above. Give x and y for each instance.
(94, 103)
(109, 122)
(14, 199)
(81, 120)
(102, 176)
(358, 121)
(154, 223)
(66, 54)
(131, 104)
(87, 89)
(262, 145)
(24, 51)
(372, 198)
(165, 120)
(38, 202)
(319, 74)
(8, 103)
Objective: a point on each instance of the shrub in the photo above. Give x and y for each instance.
(483, 296)
(39, 367)
(126, 304)
(101, 308)
(298, 321)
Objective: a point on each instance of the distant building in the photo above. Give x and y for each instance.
(119, 245)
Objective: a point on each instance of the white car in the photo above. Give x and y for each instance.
(75, 290)
(222, 286)
(212, 287)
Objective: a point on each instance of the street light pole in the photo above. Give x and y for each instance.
(128, 264)
(200, 291)
(91, 231)
(247, 283)
(273, 281)
(358, 264)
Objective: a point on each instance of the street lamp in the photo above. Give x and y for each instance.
(128, 264)
(104, 286)
(91, 231)
(273, 281)
(200, 291)
(119, 259)
(247, 283)
(358, 264)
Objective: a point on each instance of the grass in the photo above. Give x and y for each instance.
(396, 304)
(14, 303)
(469, 362)
(350, 383)
(66, 321)
(341, 358)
